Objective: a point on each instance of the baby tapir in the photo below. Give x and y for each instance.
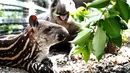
(28, 49)
(59, 13)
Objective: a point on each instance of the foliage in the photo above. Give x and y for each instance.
(1, 13)
(100, 21)
(9, 28)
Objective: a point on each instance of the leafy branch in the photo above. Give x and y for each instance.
(100, 21)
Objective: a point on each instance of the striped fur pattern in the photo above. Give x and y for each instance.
(28, 49)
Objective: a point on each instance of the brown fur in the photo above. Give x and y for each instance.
(63, 9)
(59, 13)
(58, 9)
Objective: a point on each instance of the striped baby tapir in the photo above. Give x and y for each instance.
(30, 49)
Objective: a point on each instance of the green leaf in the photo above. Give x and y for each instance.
(81, 18)
(113, 12)
(99, 42)
(94, 16)
(83, 37)
(124, 9)
(117, 41)
(111, 26)
(78, 50)
(82, 25)
(80, 12)
(123, 24)
(90, 46)
(99, 3)
(86, 54)
(80, 9)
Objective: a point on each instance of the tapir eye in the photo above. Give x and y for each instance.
(70, 3)
(47, 30)
(54, 3)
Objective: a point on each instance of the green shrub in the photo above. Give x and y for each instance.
(101, 21)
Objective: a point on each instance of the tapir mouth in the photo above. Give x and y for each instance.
(64, 17)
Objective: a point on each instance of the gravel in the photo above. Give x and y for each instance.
(110, 63)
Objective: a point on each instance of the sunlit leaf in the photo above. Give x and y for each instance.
(78, 50)
(81, 11)
(86, 54)
(84, 51)
(83, 37)
(99, 3)
(99, 42)
(94, 16)
(90, 46)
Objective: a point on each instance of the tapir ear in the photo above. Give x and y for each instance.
(33, 21)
